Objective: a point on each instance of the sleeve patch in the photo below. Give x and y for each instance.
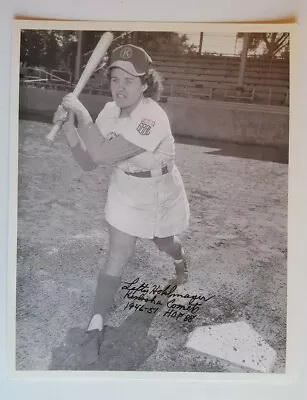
(145, 126)
(111, 135)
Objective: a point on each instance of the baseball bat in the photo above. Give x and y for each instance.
(96, 57)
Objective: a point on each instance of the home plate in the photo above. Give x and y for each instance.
(235, 342)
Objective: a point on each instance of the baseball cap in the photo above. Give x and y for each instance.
(131, 59)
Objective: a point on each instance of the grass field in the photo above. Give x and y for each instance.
(236, 241)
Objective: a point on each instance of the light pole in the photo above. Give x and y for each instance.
(201, 42)
(78, 56)
(243, 61)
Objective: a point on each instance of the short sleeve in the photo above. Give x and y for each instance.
(106, 117)
(148, 131)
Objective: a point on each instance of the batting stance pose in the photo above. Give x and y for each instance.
(146, 196)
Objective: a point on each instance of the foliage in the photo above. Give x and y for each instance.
(37, 47)
(58, 49)
(165, 42)
(47, 49)
(273, 44)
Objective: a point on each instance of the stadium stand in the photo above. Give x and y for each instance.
(203, 77)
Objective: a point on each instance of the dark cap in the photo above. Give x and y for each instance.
(131, 59)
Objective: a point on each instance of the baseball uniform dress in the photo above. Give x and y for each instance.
(145, 206)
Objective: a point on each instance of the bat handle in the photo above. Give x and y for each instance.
(54, 131)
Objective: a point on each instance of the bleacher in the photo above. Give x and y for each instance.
(216, 78)
(206, 77)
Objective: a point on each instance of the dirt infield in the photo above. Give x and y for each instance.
(237, 245)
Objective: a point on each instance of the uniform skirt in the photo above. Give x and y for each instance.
(147, 207)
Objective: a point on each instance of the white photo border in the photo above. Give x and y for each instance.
(294, 264)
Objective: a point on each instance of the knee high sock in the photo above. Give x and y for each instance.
(177, 251)
(106, 289)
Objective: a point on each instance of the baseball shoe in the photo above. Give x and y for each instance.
(181, 269)
(91, 346)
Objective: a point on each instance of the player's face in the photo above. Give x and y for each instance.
(126, 89)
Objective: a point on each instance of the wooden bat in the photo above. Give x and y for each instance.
(96, 57)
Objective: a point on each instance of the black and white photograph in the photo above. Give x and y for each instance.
(152, 200)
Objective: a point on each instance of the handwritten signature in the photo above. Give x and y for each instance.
(141, 292)
(144, 289)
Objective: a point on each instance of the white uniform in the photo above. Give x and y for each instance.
(145, 207)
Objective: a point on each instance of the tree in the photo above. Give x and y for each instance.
(254, 41)
(50, 54)
(39, 48)
(67, 51)
(91, 38)
(31, 47)
(274, 44)
(57, 49)
(166, 42)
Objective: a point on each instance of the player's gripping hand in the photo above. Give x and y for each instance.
(60, 115)
(71, 102)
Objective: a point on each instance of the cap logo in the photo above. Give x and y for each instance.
(126, 53)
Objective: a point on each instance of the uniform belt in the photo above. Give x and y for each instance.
(149, 174)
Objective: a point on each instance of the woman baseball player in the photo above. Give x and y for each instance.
(146, 196)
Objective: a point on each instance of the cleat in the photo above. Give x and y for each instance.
(181, 269)
(91, 345)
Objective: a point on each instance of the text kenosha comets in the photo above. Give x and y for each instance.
(146, 298)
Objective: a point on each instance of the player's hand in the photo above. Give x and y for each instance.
(60, 115)
(71, 102)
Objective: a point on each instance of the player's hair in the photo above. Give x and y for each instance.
(153, 80)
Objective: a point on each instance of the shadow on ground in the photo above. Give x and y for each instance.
(124, 348)
(254, 152)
